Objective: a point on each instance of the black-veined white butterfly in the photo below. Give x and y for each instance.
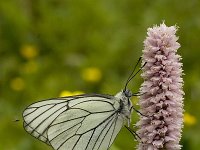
(82, 122)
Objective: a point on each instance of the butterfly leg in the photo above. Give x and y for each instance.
(136, 136)
(138, 94)
(140, 112)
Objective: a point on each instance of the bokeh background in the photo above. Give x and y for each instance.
(52, 48)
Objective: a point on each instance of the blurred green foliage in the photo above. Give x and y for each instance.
(46, 46)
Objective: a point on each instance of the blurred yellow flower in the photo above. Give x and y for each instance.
(17, 84)
(30, 67)
(69, 93)
(189, 119)
(29, 51)
(92, 74)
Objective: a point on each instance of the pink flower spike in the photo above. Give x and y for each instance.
(161, 92)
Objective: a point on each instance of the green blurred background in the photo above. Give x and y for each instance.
(51, 48)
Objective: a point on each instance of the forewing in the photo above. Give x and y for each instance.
(90, 123)
(39, 116)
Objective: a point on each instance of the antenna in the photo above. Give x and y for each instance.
(131, 76)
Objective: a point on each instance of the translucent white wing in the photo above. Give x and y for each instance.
(39, 116)
(85, 122)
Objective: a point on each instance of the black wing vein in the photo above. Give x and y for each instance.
(106, 134)
(38, 116)
(111, 120)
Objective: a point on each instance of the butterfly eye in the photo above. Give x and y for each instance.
(127, 93)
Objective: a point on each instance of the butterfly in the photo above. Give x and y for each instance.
(81, 122)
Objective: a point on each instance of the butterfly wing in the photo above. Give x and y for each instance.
(87, 122)
(39, 116)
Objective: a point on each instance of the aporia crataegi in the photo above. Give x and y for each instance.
(81, 122)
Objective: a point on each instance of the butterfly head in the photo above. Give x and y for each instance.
(127, 93)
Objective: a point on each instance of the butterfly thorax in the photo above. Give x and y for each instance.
(125, 105)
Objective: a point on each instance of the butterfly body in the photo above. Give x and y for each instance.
(82, 122)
